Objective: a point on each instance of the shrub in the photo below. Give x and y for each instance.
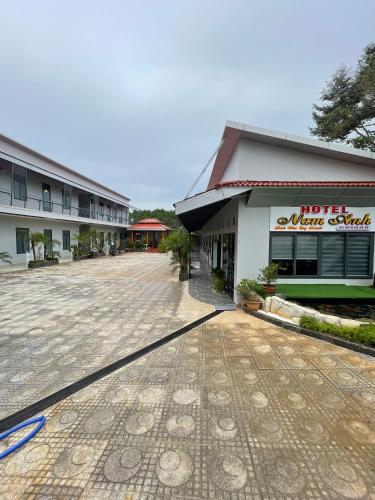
(249, 289)
(268, 274)
(219, 284)
(362, 334)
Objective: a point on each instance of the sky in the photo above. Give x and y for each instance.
(136, 94)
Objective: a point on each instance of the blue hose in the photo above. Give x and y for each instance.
(39, 420)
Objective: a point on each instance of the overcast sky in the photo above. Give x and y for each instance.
(136, 94)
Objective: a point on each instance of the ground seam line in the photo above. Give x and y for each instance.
(41, 405)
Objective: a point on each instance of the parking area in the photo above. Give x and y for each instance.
(61, 323)
(234, 409)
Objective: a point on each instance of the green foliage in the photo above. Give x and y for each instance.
(218, 273)
(218, 284)
(249, 289)
(167, 217)
(178, 243)
(36, 239)
(130, 244)
(5, 257)
(268, 274)
(363, 334)
(347, 112)
(138, 245)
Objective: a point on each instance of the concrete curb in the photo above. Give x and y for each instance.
(369, 351)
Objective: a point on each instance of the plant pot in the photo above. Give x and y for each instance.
(80, 257)
(252, 305)
(42, 263)
(269, 289)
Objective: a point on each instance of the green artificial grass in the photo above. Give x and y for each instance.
(363, 334)
(326, 292)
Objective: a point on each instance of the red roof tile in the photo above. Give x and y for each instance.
(245, 183)
(148, 225)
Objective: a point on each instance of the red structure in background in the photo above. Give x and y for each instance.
(148, 232)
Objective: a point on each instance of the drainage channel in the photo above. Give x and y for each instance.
(41, 405)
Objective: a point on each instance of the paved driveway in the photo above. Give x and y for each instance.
(59, 324)
(235, 409)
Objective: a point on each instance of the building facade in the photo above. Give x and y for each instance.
(38, 194)
(304, 204)
(148, 232)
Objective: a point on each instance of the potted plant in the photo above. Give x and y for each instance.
(49, 256)
(218, 280)
(268, 276)
(250, 292)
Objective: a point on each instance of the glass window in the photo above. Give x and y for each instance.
(282, 253)
(333, 255)
(358, 253)
(48, 244)
(66, 239)
(19, 183)
(307, 254)
(22, 240)
(66, 199)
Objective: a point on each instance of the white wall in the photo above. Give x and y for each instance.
(253, 248)
(8, 225)
(253, 240)
(256, 161)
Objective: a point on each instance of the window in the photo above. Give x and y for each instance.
(66, 239)
(327, 255)
(333, 255)
(22, 240)
(282, 253)
(19, 183)
(307, 254)
(48, 244)
(66, 199)
(358, 254)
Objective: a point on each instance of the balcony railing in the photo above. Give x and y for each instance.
(6, 198)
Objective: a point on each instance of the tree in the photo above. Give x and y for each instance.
(347, 112)
(178, 243)
(37, 239)
(5, 257)
(167, 217)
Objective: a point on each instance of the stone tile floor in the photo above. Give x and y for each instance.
(61, 323)
(200, 283)
(234, 409)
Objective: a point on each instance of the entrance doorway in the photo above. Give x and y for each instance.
(46, 197)
(228, 261)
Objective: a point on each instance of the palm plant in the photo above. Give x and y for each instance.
(35, 239)
(39, 238)
(178, 243)
(5, 257)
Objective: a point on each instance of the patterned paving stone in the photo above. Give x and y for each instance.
(77, 318)
(184, 423)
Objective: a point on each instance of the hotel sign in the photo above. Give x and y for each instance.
(322, 218)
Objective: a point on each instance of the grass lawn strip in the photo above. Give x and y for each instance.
(326, 292)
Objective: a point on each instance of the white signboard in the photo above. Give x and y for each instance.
(322, 218)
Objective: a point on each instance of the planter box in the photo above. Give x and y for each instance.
(43, 263)
(80, 257)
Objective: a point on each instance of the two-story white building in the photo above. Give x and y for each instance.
(40, 195)
(307, 205)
